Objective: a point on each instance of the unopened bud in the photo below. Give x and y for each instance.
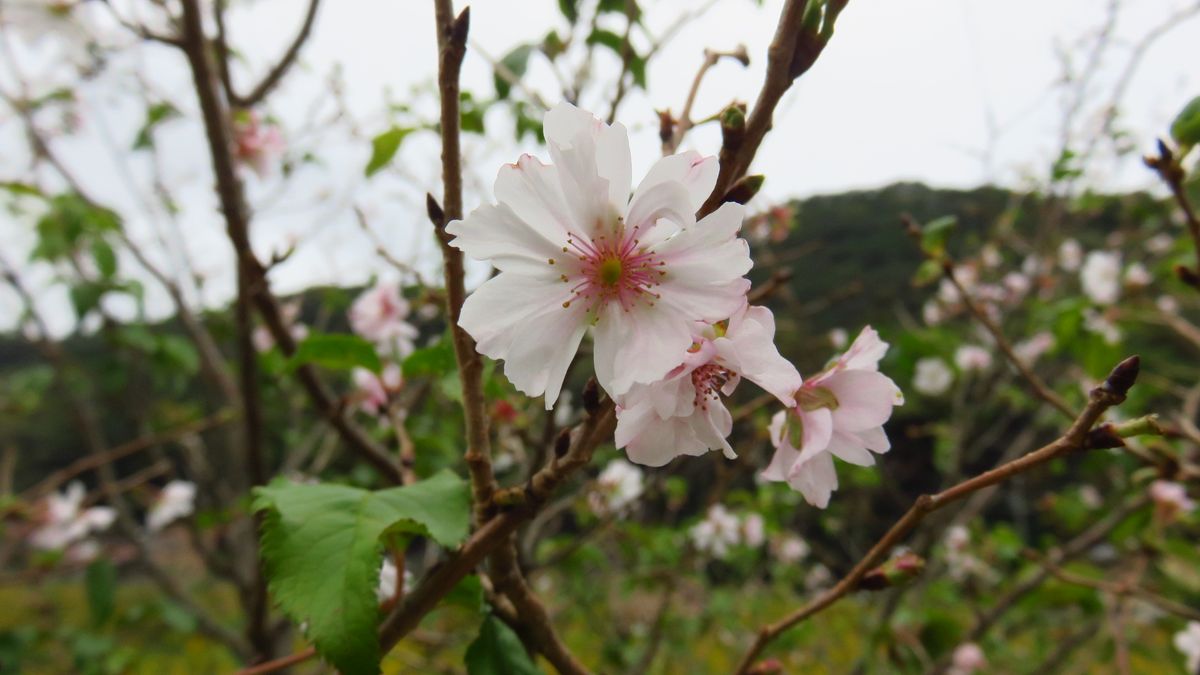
(745, 189)
(591, 396)
(458, 32)
(1146, 425)
(1187, 276)
(1103, 437)
(895, 572)
(562, 443)
(436, 215)
(666, 126)
(1123, 376)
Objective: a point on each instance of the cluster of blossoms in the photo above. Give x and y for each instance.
(380, 316)
(721, 530)
(665, 299)
(67, 526)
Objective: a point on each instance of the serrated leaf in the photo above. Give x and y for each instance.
(516, 62)
(1186, 127)
(322, 552)
(100, 580)
(337, 351)
(498, 651)
(384, 147)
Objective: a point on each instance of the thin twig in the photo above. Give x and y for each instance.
(275, 75)
(1080, 436)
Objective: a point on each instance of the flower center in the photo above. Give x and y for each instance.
(612, 268)
(708, 380)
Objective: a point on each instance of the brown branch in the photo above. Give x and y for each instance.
(685, 123)
(804, 29)
(1077, 546)
(1039, 386)
(531, 615)
(280, 663)
(1079, 437)
(1119, 589)
(1170, 169)
(494, 533)
(452, 45)
(229, 192)
(275, 75)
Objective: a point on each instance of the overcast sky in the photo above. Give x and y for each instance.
(948, 92)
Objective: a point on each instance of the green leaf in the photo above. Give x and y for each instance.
(569, 9)
(471, 113)
(85, 297)
(155, 115)
(337, 351)
(516, 61)
(1186, 127)
(928, 272)
(100, 580)
(106, 259)
(498, 651)
(934, 235)
(607, 38)
(437, 359)
(322, 552)
(384, 147)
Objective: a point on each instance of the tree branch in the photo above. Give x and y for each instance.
(273, 77)
(1079, 437)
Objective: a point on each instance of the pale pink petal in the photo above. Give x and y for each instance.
(496, 233)
(748, 348)
(521, 319)
(865, 352)
(847, 447)
(664, 201)
(533, 191)
(696, 172)
(639, 345)
(815, 479)
(864, 398)
(818, 429)
(567, 126)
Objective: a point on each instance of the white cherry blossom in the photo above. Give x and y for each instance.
(683, 414)
(1101, 277)
(617, 486)
(933, 377)
(380, 314)
(177, 500)
(575, 251)
(840, 412)
(66, 522)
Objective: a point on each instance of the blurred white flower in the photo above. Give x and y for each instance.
(967, 658)
(838, 338)
(1098, 323)
(1017, 284)
(617, 486)
(1070, 255)
(1170, 499)
(177, 500)
(257, 144)
(790, 549)
(1187, 641)
(1101, 277)
(1160, 243)
(1137, 276)
(990, 256)
(1032, 349)
(1167, 304)
(753, 530)
(1091, 497)
(818, 578)
(65, 522)
(719, 530)
(931, 312)
(933, 377)
(972, 357)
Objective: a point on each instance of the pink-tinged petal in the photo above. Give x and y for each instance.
(697, 173)
(496, 233)
(781, 464)
(875, 440)
(818, 430)
(533, 191)
(587, 192)
(637, 346)
(815, 479)
(632, 422)
(713, 425)
(847, 447)
(567, 126)
(521, 319)
(665, 201)
(704, 265)
(864, 398)
(748, 348)
(865, 352)
(663, 441)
